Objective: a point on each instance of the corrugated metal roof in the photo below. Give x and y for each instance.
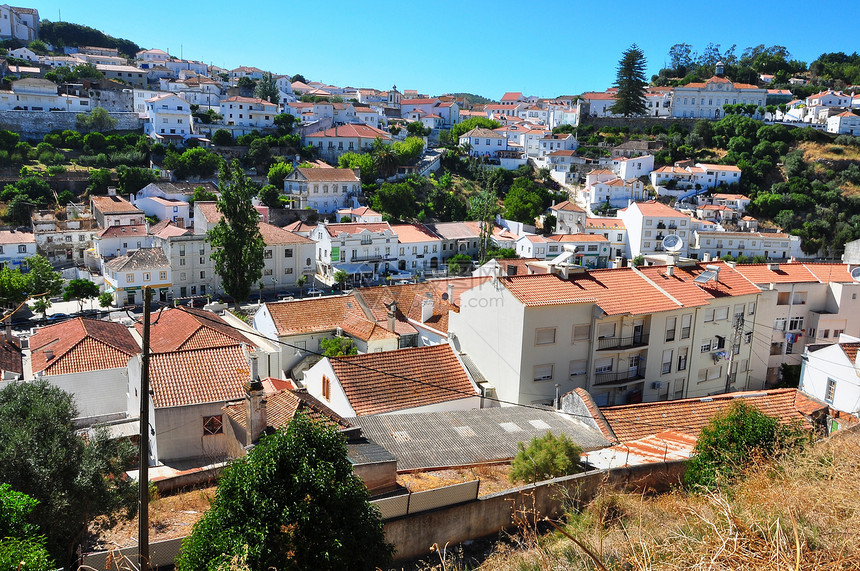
(425, 441)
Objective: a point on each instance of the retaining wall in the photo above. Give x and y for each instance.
(36, 124)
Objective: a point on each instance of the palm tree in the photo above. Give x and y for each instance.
(384, 159)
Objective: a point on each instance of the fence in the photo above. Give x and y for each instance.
(412, 503)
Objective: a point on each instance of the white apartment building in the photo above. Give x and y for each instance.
(614, 231)
(359, 249)
(706, 100)
(419, 249)
(616, 192)
(772, 246)
(649, 222)
(324, 190)
(589, 250)
(19, 23)
(569, 217)
(33, 94)
(621, 334)
(801, 304)
(633, 167)
(251, 112)
(832, 374)
(332, 143)
(563, 142)
(127, 275)
(845, 123)
(484, 142)
(165, 208)
(169, 118)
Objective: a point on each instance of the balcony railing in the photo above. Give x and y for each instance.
(620, 376)
(622, 342)
(368, 258)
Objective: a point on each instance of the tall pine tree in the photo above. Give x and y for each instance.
(631, 83)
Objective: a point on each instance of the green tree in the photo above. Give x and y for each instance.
(20, 546)
(294, 503)
(278, 173)
(13, 287)
(246, 83)
(417, 129)
(132, 179)
(81, 290)
(105, 299)
(42, 456)
(631, 83)
(284, 122)
(396, 200)
(472, 123)
(338, 347)
(361, 161)
(732, 439)
(267, 89)
(222, 138)
(100, 180)
(260, 155)
(270, 196)
(384, 158)
(96, 120)
(18, 210)
(340, 278)
(202, 195)
(237, 246)
(459, 264)
(545, 457)
(42, 280)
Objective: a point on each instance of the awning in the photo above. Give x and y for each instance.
(355, 268)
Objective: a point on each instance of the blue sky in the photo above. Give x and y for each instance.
(487, 47)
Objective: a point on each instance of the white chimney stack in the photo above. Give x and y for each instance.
(426, 310)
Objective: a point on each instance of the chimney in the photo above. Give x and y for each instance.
(706, 257)
(392, 315)
(426, 309)
(670, 270)
(512, 269)
(773, 267)
(111, 191)
(180, 222)
(451, 293)
(255, 402)
(8, 331)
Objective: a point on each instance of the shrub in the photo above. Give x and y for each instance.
(545, 457)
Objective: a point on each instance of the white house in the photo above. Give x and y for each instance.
(589, 250)
(150, 58)
(34, 94)
(169, 118)
(633, 167)
(484, 142)
(616, 192)
(359, 249)
(832, 374)
(569, 217)
(19, 23)
(116, 240)
(324, 190)
(126, 275)
(419, 249)
(706, 100)
(113, 210)
(614, 231)
(15, 247)
(89, 359)
(164, 208)
(770, 245)
(251, 112)
(649, 222)
(331, 143)
(562, 142)
(845, 123)
(416, 379)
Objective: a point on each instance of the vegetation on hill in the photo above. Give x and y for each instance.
(471, 98)
(67, 34)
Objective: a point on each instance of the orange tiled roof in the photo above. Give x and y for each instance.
(460, 285)
(829, 273)
(195, 376)
(787, 273)
(352, 131)
(681, 286)
(81, 345)
(408, 233)
(282, 407)
(409, 298)
(653, 208)
(634, 421)
(616, 291)
(272, 235)
(850, 350)
(576, 238)
(335, 230)
(183, 328)
(312, 315)
(328, 175)
(377, 383)
(114, 205)
(567, 206)
(605, 223)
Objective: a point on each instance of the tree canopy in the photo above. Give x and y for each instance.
(237, 246)
(631, 83)
(547, 456)
(292, 503)
(42, 456)
(267, 90)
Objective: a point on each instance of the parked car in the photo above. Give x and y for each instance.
(196, 302)
(314, 291)
(282, 295)
(57, 317)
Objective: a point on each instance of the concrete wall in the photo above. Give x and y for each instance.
(37, 124)
(96, 393)
(634, 122)
(179, 432)
(414, 534)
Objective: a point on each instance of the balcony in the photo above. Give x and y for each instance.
(620, 376)
(368, 258)
(622, 342)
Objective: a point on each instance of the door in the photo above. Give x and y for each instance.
(637, 333)
(633, 368)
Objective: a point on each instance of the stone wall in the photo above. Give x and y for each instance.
(636, 122)
(33, 125)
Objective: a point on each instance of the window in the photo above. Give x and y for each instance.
(212, 425)
(795, 324)
(581, 332)
(837, 333)
(830, 392)
(706, 346)
(146, 276)
(288, 271)
(543, 372)
(129, 278)
(22, 249)
(686, 320)
(709, 315)
(326, 388)
(826, 334)
(181, 261)
(545, 336)
(721, 313)
(667, 361)
(799, 298)
(182, 249)
(670, 329)
(605, 330)
(288, 253)
(779, 324)
(682, 359)
(752, 308)
(603, 366)
(578, 367)
(748, 337)
(202, 275)
(782, 298)
(267, 272)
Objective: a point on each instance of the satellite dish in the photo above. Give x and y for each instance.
(445, 295)
(672, 243)
(855, 274)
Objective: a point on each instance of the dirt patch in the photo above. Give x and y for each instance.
(816, 151)
(493, 479)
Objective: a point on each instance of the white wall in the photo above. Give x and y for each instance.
(96, 393)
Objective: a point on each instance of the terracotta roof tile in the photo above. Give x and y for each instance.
(196, 376)
(356, 227)
(10, 237)
(605, 223)
(460, 285)
(653, 208)
(328, 175)
(377, 383)
(634, 421)
(182, 328)
(282, 407)
(114, 205)
(408, 233)
(786, 273)
(11, 358)
(312, 315)
(681, 284)
(409, 298)
(567, 206)
(829, 273)
(272, 235)
(850, 350)
(352, 131)
(81, 345)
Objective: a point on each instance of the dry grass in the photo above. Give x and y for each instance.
(850, 189)
(800, 513)
(169, 517)
(813, 151)
(493, 478)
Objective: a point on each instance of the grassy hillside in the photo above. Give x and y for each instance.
(802, 512)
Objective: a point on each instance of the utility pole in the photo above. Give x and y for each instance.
(736, 340)
(143, 472)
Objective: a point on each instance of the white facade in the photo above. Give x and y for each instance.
(484, 142)
(41, 95)
(648, 223)
(15, 247)
(616, 192)
(846, 123)
(627, 168)
(749, 244)
(169, 115)
(248, 112)
(365, 248)
(706, 100)
(832, 375)
(19, 23)
(324, 190)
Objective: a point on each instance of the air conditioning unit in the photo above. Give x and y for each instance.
(657, 385)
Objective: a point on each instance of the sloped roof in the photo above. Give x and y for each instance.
(196, 376)
(328, 175)
(653, 208)
(120, 231)
(782, 273)
(377, 383)
(312, 315)
(15, 237)
(272, 235)
(143, 259)
(634, 421)
(409, 298)
(482, 133)
(567, 206)
(408, 233)
(182, 328)
(681, 284)
(81, 345)
(114, 205)
(605, 223)
(352, 130)
(453, 230)
(356, 227)
(282, 407)
(11, 358)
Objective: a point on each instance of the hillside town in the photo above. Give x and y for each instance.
(198, 256)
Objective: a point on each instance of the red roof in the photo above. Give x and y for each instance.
(408, 233)
(567, 206)
(512, 96)
(184, 328)
(653, 208)
(356, 227)
(282, 407)
(634, 421)
(249, 100)
(82, 345)
(781, 273)
(681, 286)
(312, 315)
(377, 383)
(422, 101)
(353, 130)
(196, 376)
